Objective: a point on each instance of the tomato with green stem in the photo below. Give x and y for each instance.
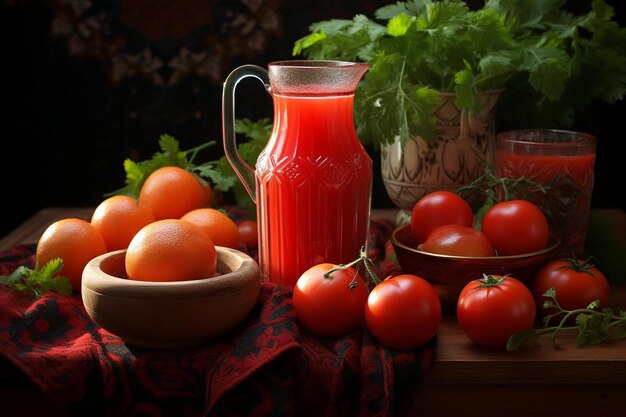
(403, 312)
(329, 299)
(436, 209)
(493, 308)
(577, 282)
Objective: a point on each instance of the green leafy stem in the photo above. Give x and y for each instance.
(593, 326)
(495, 189)
(38, 280)
(218, 172)
(549, 63)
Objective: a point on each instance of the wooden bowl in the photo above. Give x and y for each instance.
(170, 314)
(449, 274)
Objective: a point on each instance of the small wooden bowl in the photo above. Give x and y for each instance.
(449, 274)
(170, 314)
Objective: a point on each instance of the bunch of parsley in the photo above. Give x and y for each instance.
(218, 172)
(417, 49)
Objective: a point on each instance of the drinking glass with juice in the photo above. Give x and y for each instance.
(563, 162)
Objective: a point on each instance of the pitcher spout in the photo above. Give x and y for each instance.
(315, 77)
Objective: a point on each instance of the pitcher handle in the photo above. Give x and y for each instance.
(240, 166)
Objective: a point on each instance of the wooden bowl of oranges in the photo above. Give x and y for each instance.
(169, 301)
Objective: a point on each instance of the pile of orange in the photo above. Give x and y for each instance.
(170, 232)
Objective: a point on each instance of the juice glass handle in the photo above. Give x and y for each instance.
(240, 166)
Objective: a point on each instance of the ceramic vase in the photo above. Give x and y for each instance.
(454, 159)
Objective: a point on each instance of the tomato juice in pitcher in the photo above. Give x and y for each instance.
(313, 180)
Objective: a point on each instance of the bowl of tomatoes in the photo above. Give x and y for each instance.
(170, 314)
(441, 244)
(450, 273)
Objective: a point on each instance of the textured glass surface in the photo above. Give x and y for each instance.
(564, 163)
(313, 181)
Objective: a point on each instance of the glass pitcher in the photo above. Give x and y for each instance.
(312, 185)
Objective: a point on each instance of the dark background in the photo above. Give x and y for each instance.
(88, 84)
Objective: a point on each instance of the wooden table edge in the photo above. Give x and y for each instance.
(33, 228)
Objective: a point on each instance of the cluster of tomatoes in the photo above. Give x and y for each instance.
(492, 309)
(404, 311)
(401, 312)
(443, 222)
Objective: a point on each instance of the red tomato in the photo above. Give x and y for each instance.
(457, 240)
(515, 227)
(437, 209)
(248, 233)
(330, 307)
(577, 283)
(403, 312)
(493, 308)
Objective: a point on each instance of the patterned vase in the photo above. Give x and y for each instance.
(454, 159)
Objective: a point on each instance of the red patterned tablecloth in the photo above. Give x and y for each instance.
(268, 366)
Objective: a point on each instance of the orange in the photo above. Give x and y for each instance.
(173, 191)
(170, 250)
(76, 241)
(221, 229)
(119, 218)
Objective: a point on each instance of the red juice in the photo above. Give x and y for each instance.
(566, 170)
(314, 185)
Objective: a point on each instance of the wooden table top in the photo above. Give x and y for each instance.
(459, 361)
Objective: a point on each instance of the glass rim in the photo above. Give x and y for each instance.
(316, 63)
(529, 137)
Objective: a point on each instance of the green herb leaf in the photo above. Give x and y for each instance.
(218, 172)
(257, 134)
(592, 326)
(398, 25)
(39, 280)
(169, 155)
(466, 92)
(496, 189)
(308, 41)
(549, 63)
(412, 8)
(516, 340)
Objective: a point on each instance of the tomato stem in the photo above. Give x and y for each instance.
(489, 280)
(577, 265)
(362, 259)
(496, 189)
